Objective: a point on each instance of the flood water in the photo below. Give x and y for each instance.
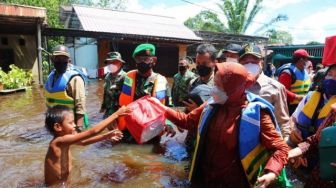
(24, 142)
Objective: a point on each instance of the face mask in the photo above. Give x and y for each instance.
(203, 70)
(231, 60)
(112, 68)
(219, 96)
(329, 86)
(60, 67)
(182, 69)
(143, 67)
(253, 68)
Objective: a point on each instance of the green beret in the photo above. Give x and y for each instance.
(148, 49)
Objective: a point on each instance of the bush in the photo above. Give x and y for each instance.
(15, 78)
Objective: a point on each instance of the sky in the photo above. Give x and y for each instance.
(309, 20)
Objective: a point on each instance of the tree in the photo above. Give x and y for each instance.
(279, 37)
(238, 18)
(206, 21)
(113, 4)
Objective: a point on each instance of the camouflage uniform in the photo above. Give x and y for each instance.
(112, 89)
(144, 86)
(180, 87)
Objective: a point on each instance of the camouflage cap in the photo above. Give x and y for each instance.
(113, 56)
(146, 48)
(250, 49)
(61, 50)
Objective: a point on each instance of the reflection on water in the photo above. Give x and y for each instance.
(24, 142)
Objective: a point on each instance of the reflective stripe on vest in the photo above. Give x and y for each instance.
(252, 154)
(304, 121)
(301, 84)
(56, 94)
(128, 89)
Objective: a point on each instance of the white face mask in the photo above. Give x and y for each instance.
(253, 68)
(231, 60)
(219, 96)
(111, 68)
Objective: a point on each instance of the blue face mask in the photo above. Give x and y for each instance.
(329, 86)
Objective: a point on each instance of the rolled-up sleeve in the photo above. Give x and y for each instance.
(273, 142)
(185, 121)
(286, 80)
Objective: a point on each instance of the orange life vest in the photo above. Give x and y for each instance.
(128, 90)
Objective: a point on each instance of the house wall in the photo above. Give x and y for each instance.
(167, 55)
(85, 53)
(182, 50)
(23, 56)
(103, 49)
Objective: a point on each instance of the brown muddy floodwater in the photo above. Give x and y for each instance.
(24, 142)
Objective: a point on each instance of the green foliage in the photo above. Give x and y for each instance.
(113, 4)
(279, 37)
(46, 70)
(205, 21)
(241, 13)
(238, 18)
(15, 78)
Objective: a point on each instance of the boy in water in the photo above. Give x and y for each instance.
(60, 122)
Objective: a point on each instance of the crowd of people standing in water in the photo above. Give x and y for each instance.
(246, 128)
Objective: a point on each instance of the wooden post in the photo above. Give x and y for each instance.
(39, 52)
(182, 50)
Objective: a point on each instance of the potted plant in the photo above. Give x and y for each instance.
(16, 78)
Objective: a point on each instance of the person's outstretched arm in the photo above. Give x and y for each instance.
(74, 138)
(114, 135)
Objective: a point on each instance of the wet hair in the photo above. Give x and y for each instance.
(207, 48)
(54, 115)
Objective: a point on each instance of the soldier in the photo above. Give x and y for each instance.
(144, 81)
(181, 81)
(112, 83)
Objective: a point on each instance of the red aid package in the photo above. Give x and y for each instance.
(146, 121)
(329, 52)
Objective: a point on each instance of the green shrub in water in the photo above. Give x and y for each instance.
(15, 78)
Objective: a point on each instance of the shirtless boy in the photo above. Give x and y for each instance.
(60, 122)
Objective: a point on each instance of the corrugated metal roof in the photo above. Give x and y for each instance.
(122, 22)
